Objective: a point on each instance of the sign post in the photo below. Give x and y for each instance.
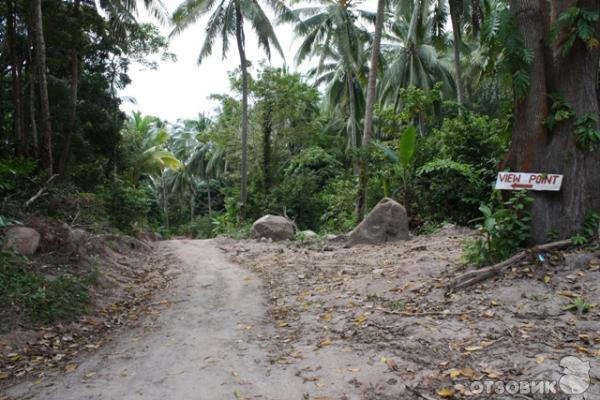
(528, 181)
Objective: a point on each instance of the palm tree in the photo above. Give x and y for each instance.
(147, 139)
(331, 33)
(410, 52)
(363, 180)
(227, 19)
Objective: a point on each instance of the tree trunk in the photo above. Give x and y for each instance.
(16, 79)
(209, 198)
(239, 35)
(73, 87)
(532, 148)
(40, 46)
(363, 181)
(267, 131)
(454, 17)
(352, 122)
(31, 70)
(164, 198)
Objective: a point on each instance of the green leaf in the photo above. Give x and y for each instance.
(407, 146)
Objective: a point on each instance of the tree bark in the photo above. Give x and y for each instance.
(363, 180)
(239, 35)
(46, 156)
(574, 77)
(73, 88)
(16, 79)
(32, 71)
(267, 132)
(352, 121)
(456, 34)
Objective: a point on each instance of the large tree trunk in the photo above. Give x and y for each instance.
(40, 46)
(73, 87)
(535, 150)
(239, 34)
(363, 181)
(16, 79)
(456, 34)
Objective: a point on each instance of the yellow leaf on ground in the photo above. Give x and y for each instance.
(446, 393)
(539, 359)
(71, 367)
(326, 342)
(327, 317)
(473, 348)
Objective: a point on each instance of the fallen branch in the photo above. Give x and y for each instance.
(41, 191)
(472, 277)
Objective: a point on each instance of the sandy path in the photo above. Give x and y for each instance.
(203, 344)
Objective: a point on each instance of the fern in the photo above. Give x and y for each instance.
(447, 165)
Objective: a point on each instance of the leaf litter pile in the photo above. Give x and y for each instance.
(380, 321)
(128, 274)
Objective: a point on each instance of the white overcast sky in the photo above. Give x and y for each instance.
(181, 89)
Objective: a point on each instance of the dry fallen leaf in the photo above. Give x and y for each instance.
(70, 367)
(473, 348)
(326, 342)
(446, 393)
(539, 359)
(392, 365)
(4, 375)
(327, 317)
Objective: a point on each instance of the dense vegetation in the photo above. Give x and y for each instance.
(443, 106)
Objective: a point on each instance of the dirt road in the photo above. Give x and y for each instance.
(206, 340)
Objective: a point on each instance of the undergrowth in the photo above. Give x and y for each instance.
(37, 299)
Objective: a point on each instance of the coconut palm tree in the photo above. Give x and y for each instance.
(331, 32)
(147, 138)
(363, 181)
(227, 19)
(410, 52)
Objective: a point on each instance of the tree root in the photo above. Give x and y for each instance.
(472, 277)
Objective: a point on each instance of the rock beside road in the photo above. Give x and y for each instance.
(387, 222)
(22, 240)
(273, 227)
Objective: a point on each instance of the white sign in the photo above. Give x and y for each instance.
(528, 181)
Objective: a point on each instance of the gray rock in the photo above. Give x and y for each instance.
(273, 227)
(22, 240)
(308, 234)
(387, 222)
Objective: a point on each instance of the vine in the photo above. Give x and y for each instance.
(577, 24)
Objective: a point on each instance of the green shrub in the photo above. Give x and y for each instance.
(339, 198)
(127, 205)
(202, 227)
(457, 167)
(37, 299)
(304, 177)
(505, 229)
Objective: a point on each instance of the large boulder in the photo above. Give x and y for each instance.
(273, 227)
(22, 240)
(387, 222)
